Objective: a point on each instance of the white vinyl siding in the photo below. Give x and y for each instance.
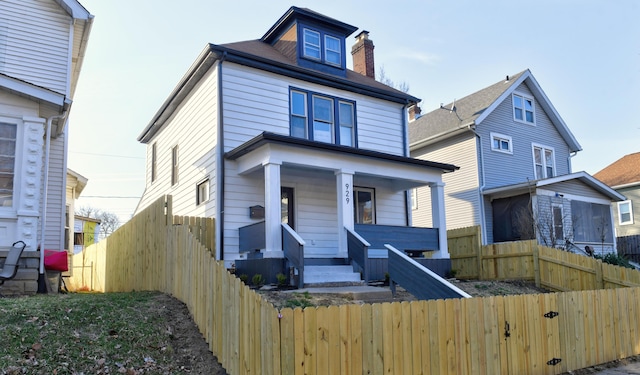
(461, 187)
(193, 128)
(57, 189)
(36, 45)
(521, 161)
(257, 101)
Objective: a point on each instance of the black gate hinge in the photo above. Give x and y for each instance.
(554, 361)
(551, 314)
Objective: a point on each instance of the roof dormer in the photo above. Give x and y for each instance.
(312, 40)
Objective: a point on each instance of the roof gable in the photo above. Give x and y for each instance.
(624, 171)
(473, 109)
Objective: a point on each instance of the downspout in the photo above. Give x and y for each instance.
(407, 153)
(221, 169)
(483, 225)
(45, 191)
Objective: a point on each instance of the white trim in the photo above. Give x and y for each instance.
(544, 164)
(32, 91)
(572, 197)
(502, 137)
(339, 51)
(304, 44)
(630, 213)
(553, 219)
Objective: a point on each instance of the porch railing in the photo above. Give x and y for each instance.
(358, 251)
(418, 279)
(252, 237)
(406, 239)
(293, 246)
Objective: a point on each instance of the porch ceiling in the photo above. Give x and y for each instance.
(404, 173)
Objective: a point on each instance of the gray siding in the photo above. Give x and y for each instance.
(461, 187)
(506, 169)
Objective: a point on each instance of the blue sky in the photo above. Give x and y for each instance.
(584, 54)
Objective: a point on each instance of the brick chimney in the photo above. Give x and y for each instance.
(362, 53)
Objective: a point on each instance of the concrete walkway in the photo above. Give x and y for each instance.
(630, 368)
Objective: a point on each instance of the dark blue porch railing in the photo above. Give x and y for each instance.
(252, 237)
(293, 246)
(418, 279)
(358, 251)
(407, 239)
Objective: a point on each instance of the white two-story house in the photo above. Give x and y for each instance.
(42, 47)
(515, 179)
(280, 142)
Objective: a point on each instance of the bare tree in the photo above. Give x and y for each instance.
(109, 221)
(382, 78)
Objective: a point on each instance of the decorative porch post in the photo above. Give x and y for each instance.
(344, 191)
(272, 214)
(438, 218)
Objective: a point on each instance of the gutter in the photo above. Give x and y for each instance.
(571, 155)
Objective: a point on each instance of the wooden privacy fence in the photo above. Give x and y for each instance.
(529, 334)
(629, 246)
(526, 260)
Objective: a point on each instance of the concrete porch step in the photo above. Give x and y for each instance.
(330, 274)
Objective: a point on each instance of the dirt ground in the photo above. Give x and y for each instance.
(194, 352)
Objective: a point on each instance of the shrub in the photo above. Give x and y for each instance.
(615, 259)
(257, 279)
(282, 279)
(299, 300)
(244, 278)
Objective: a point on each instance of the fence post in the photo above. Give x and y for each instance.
(479, 253)
(536, 264)
(599, 278)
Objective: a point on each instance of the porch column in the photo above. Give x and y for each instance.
(344, 191)
(438, 218)
(272, 214)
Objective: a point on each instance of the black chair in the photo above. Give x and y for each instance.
(11, 266)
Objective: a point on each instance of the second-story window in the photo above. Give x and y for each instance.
(322, 118)
(174, 165)
(543, 161)
(523, 109)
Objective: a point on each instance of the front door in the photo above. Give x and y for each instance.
(287, 207)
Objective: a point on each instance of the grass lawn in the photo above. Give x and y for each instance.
(126, 333)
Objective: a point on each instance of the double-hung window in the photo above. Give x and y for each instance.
(625, 213)
(523, 109)
(8, 134)
(544, 161)
(322, 118)
(322, 47)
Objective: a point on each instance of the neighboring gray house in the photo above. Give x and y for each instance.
(623, 176)
(515, 179)
(281, 143)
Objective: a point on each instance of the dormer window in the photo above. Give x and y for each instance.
(322, 47)
(332, 50)
(312, 44)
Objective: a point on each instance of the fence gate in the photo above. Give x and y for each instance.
(530, 341)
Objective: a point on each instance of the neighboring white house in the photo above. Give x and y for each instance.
(278, 130)
(75, 184)
(515, 179)
(42, 46)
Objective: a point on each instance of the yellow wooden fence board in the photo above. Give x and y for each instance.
(299, 342)
(310, 340)
(334, 358)
(356, 335)
(366, 317)
(345, 355)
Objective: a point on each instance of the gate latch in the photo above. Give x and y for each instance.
(554, 361)
(551, 314)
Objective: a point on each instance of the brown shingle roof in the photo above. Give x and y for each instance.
(625, 170)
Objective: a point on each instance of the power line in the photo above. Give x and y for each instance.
(109, 155)
(108, 197)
